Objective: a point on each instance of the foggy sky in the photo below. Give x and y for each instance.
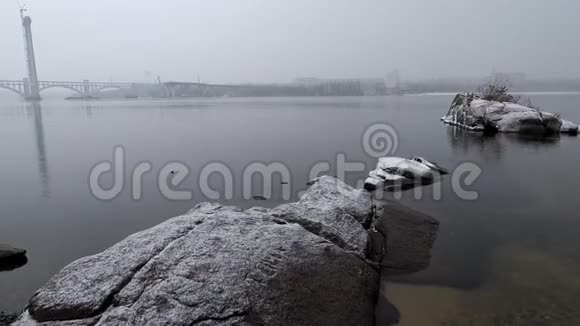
(274, 40)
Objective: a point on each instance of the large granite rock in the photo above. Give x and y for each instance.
(471, 112)
(305, 263)
(335, 212)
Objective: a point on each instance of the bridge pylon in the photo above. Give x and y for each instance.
(32, 88)
(86, 89)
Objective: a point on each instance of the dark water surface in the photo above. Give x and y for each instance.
(511, 255)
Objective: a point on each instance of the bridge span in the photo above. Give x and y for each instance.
(85, 88)
(30, 87)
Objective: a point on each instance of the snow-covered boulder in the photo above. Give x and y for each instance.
(313, 262)
(471, 112)
(401, 171)
(306, 263)
(569, 127)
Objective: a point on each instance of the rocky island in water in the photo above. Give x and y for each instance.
(473, 112)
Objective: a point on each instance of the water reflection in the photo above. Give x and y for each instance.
(492, 146)
(42, 158)
(531, 140)
(88, 108)
(465, 142)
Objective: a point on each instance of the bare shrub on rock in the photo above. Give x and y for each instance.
(498, 90)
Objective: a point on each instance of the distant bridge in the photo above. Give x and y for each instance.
(84, 88)
(30, 87)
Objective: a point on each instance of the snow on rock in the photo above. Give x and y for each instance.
(398, 170)
(569, 127)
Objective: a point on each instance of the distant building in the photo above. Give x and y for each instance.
(393, 82)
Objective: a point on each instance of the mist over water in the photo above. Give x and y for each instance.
(526, 214)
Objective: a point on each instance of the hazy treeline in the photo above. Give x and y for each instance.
(338, 88)
(349, 88)
(466, 85)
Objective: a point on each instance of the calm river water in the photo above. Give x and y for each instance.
(510, 257)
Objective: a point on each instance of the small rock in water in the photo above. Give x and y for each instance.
(7, 251)
(11, 258)
(259, 198)
(569, 127)
(12, 263)
(402, 171)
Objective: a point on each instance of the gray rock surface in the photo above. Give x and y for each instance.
(342, 214)
(7, 251)
(409, 234)
(471, 112)
(298, 264)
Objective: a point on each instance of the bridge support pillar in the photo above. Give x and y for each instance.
(26, 88)
(86, 89)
